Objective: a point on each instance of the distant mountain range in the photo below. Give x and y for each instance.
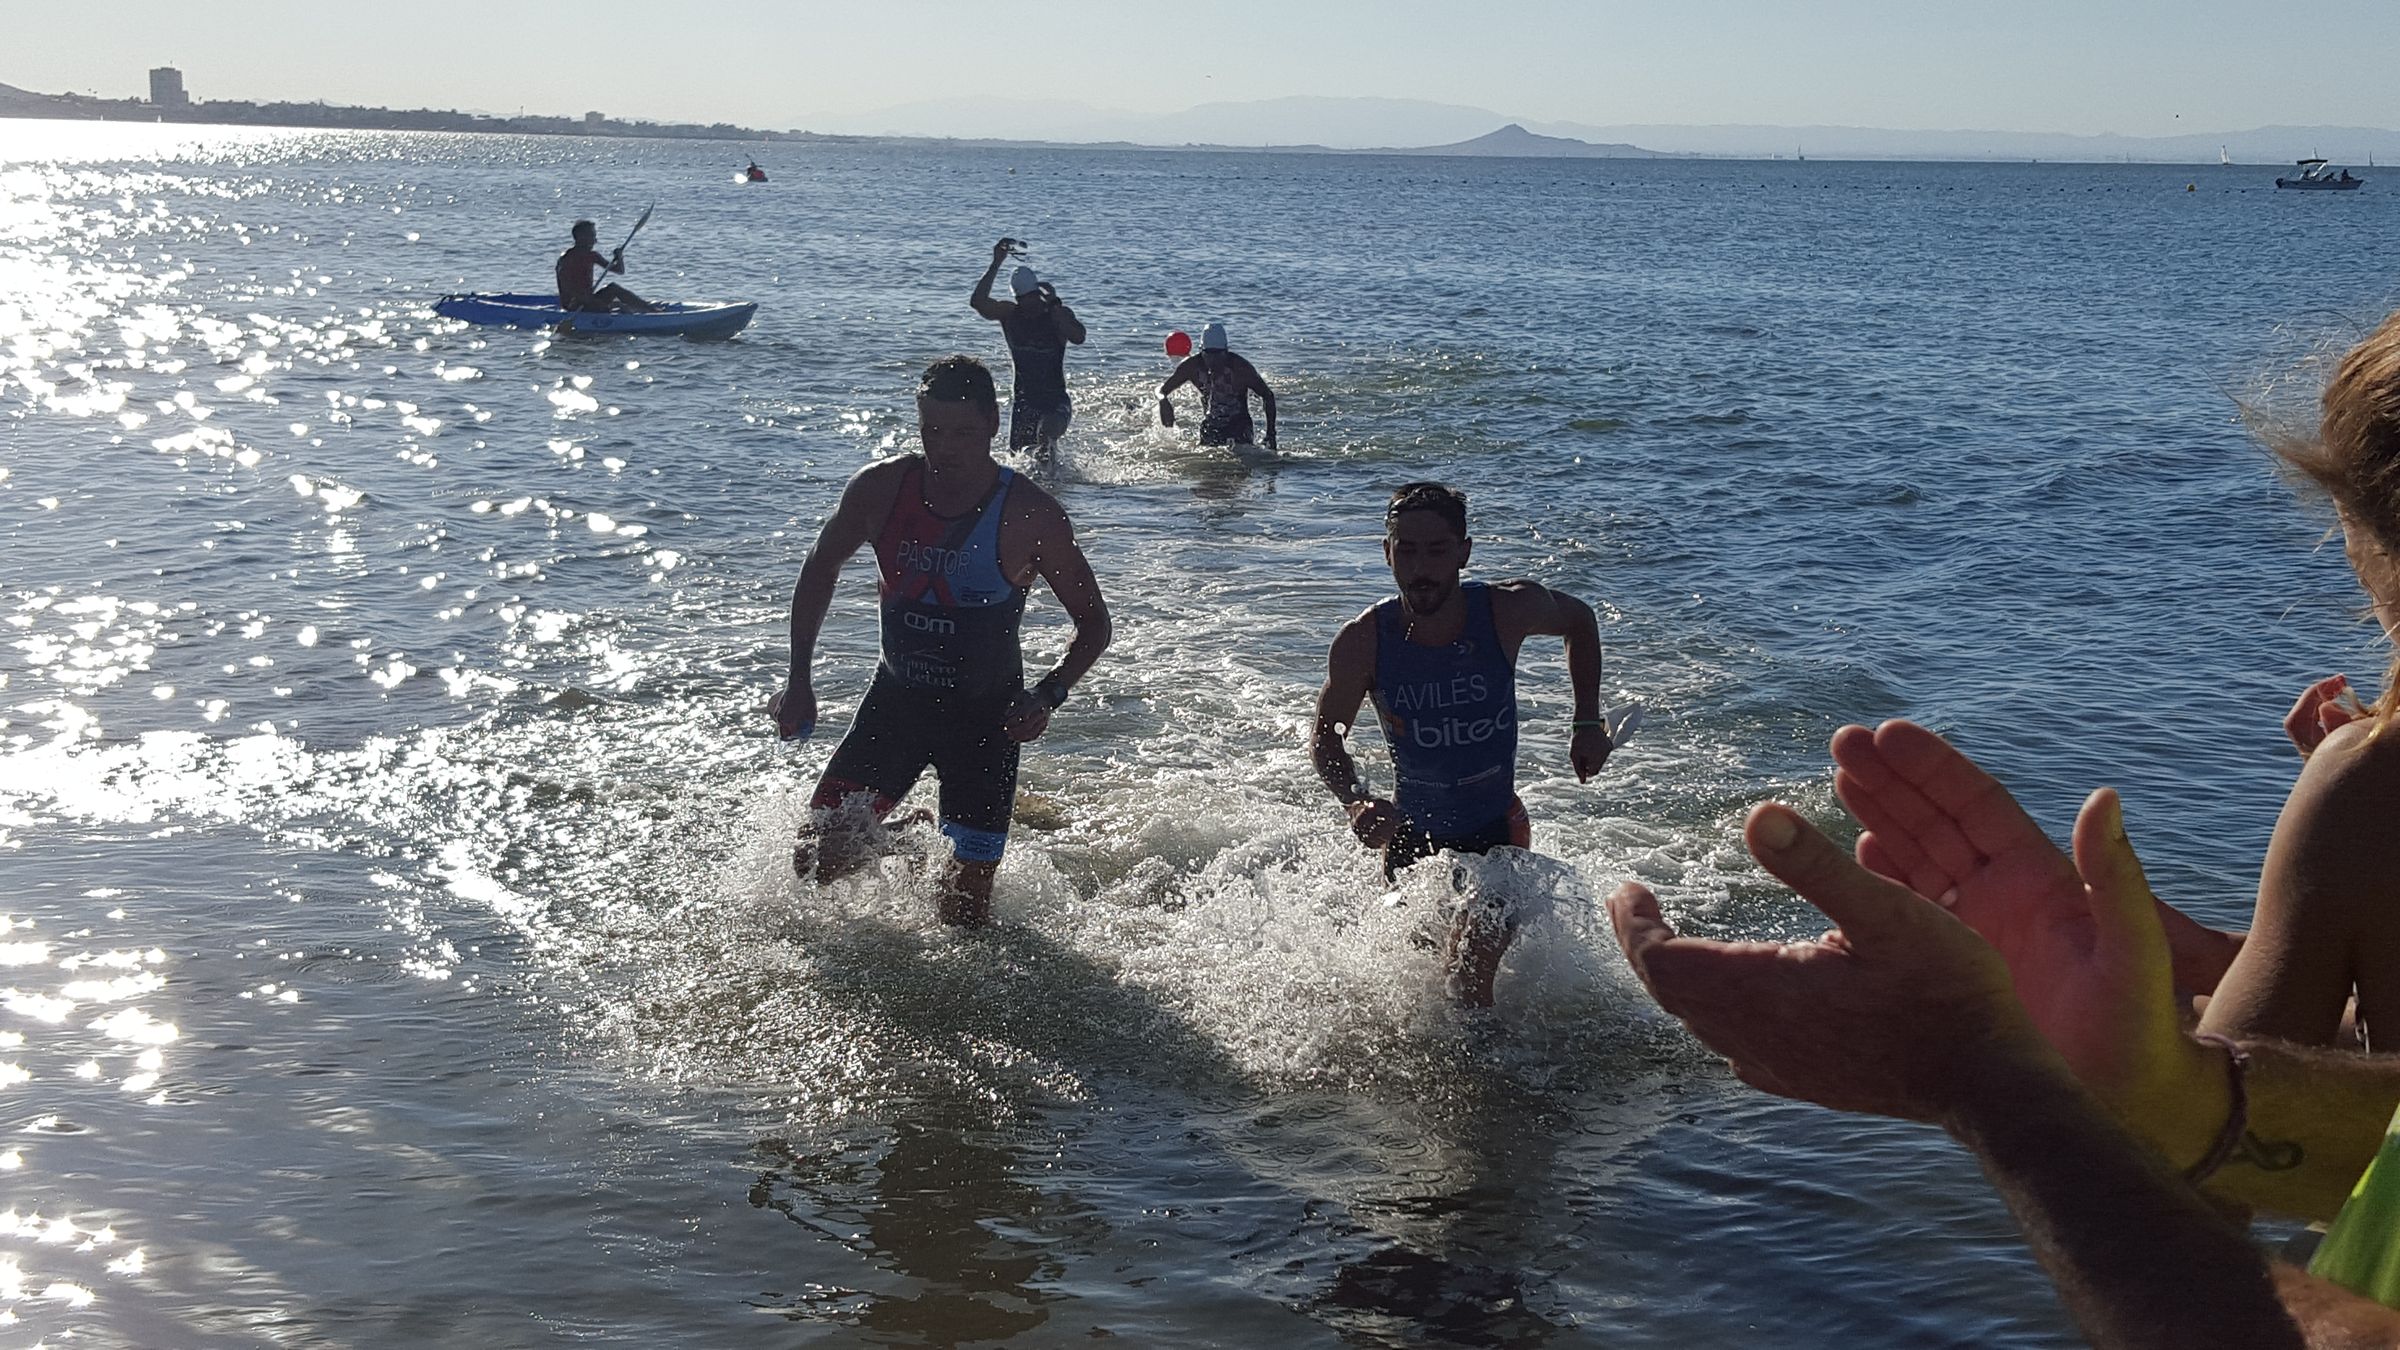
(1387, 123)
(1332, 123)
(1515, 142)
(1327, 125)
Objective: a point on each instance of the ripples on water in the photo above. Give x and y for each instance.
(401, 945)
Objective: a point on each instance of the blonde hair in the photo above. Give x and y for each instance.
(2353, 457)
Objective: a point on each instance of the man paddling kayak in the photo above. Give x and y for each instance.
(579, 266)
(1440, 661)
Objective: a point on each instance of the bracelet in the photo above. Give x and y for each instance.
(1599, 722)
(2237, 1119)
(1052, 691)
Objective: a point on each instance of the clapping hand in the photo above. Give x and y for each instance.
(1895, 1013)
(2093, 955)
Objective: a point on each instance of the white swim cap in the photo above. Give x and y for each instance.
(1212, 338)
(1023, 281)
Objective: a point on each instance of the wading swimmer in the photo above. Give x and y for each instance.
(1440, 661)
(1038, 326)
(958, 542)
(1226, 381)
(579, 267)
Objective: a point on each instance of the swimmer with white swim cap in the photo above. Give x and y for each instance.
(1039, 328)
(1226, 381)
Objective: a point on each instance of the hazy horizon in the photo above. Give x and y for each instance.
(2046, 67)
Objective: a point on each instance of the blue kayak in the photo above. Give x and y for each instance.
(542, 311)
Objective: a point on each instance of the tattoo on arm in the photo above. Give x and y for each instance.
(2268, 1155)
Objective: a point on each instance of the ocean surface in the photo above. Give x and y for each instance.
(401, 948)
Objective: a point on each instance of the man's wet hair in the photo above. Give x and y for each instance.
(582, 225)
(960, 379)
(1440, 498)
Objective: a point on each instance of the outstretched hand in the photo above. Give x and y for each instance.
(1894, 1014)
(2087, 944)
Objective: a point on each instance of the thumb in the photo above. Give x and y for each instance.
(1865, 905)
(2124, 910)
(1641, 929)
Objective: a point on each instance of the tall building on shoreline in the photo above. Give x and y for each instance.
(166, 88)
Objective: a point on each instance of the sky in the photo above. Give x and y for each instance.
(2139, 67)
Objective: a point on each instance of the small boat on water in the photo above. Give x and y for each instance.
(2318, 175)
(498, 310)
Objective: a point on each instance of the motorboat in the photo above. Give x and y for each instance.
(699, 319)
(2318, 175)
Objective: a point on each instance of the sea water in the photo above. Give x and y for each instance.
(402, 947)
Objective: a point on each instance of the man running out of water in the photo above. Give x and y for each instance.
(1038, 326)
(578, 268)
(958, 542)
(1226, 382)
(1440, 662)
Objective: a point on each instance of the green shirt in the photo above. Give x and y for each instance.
(2361, 1252)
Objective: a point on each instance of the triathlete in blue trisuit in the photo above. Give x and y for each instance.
(1440, 661)
(958, 542)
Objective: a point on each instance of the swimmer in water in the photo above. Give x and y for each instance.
(1440, 661)
(958, 541)
(1226, 381)
(1039, 328)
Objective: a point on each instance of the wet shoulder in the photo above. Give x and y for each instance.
(883, 474)
(1517, 598)
(1519, 606)
(1354, 647)
(1031, 506)
(877, 484)
(1031, 523)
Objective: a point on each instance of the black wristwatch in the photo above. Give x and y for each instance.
(1052, 691)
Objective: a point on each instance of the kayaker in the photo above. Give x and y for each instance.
(579, 266)
(754, 173)
(1226, 381)
(1038, 326)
